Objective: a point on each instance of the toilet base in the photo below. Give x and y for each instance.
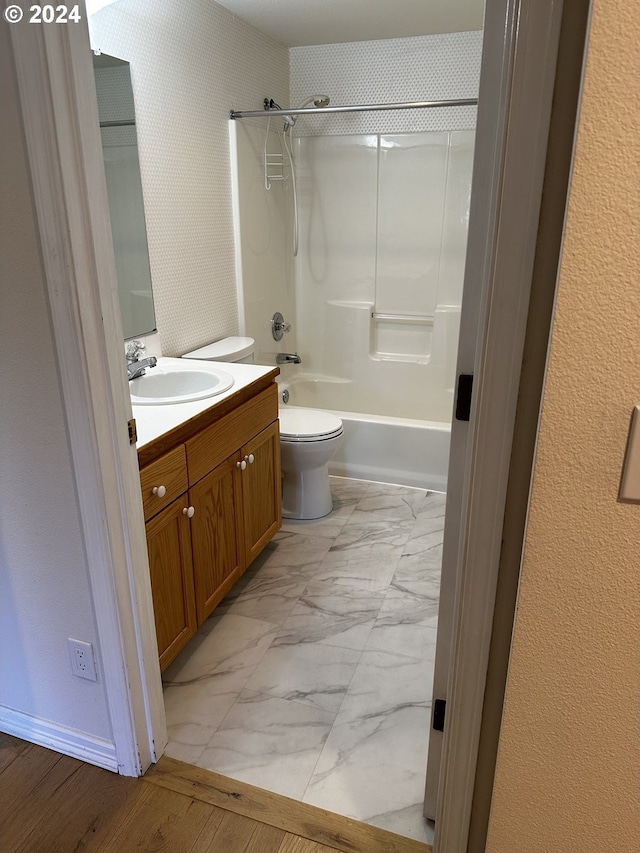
(306, 494)
(305, 476)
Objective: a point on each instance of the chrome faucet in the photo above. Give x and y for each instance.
(288, 358)
(137, 366)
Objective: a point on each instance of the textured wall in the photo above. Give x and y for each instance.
(568, 776)
(189, 67)
(265, 238)
(45, 595)
(388, 71)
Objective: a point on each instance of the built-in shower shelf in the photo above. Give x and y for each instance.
(401, 337)
(415, 319)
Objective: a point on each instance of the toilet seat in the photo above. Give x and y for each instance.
(299, 425)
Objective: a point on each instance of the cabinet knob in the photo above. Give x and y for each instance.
(241, 465)
(250, 458)
(189, 511)
(159, 491)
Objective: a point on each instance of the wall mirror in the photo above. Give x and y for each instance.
(124, 188)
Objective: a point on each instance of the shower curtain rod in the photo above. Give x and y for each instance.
(355, 108)
(125, 123)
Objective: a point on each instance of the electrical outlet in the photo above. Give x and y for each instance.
(82, 661)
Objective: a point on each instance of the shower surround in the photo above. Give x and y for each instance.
(378, 278)
(374, 293)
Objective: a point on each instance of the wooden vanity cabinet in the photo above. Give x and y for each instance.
(261, 490)
(164, 485)
(218, 555)
(163, 480)
(237, 505)
(171, 568)
(222, 487)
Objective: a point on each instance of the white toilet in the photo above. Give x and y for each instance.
(308, 440)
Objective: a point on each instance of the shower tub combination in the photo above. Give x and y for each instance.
(371, 282)
(404, 451)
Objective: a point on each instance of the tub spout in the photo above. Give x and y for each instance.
(288, 358)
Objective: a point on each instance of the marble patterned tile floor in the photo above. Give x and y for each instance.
(313, 677)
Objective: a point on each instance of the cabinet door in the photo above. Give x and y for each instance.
(171, 568)
(261, 490)
(218, 560)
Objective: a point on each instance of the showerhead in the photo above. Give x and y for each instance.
(316, 100)
(289, 121)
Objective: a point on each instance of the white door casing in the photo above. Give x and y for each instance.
(60, 115)
(516, 91)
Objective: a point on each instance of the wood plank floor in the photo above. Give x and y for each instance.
(50, 803)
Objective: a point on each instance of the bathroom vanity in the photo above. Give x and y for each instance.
(211, 490)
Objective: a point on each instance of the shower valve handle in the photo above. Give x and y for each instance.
(279, 326)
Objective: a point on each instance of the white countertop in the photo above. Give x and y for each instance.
(153, 421)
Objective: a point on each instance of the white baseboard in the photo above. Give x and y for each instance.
(77, 744)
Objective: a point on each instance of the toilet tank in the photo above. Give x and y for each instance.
(239, 349)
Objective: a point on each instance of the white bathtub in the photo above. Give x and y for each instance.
(393, 450)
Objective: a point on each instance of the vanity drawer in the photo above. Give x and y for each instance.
(169, 476)
(216, 443)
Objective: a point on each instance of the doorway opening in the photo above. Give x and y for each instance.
(313, 676)
(106, 647)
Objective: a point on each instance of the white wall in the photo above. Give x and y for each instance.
(190, 64)
(45, 595)
(264, 235)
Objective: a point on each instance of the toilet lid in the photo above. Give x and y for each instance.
(298, 424)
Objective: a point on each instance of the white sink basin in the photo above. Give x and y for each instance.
(161, 386)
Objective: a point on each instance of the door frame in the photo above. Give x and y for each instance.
(61, 127)
(516, 99)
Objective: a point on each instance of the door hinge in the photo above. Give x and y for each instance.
(463, 398)
(133, 432)
(439, 710)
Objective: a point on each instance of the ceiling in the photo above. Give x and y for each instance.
(303, 22)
